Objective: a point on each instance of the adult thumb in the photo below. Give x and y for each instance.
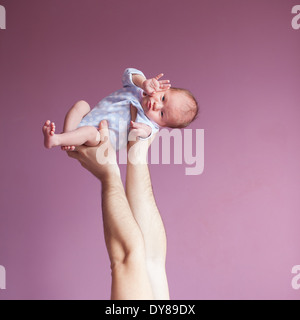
(103, 129)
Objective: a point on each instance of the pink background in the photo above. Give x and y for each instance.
(234, 231)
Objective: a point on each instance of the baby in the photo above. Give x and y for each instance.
(158, 105)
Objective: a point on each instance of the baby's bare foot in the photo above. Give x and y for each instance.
(49, 134)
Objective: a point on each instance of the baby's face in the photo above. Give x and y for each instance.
(164, 108)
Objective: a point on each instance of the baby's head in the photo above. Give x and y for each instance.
(174, 108)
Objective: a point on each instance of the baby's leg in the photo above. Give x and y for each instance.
(73, 118)
(75, 115)
(89, 136)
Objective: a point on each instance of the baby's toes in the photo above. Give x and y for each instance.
(52, 132)
(46, 126)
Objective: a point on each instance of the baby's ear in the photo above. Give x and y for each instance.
(133, 112)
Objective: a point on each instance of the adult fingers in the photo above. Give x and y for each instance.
(73, 154)
(153, 138)
(103, 129)
(77, 152)
(77, 156)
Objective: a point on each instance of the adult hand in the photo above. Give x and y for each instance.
(101, 160)
(137, 149)
(151, 86)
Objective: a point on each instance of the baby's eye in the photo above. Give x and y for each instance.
(161, 114)
(163, 98)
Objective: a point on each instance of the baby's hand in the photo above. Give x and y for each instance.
(140, 130)
(154, 85)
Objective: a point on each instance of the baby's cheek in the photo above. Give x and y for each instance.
(151, 116)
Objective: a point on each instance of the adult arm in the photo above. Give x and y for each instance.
(123, 236)
(144, 208)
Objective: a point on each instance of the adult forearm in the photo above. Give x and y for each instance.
(138, 181)
(139, 188)
(121, 231)
(143, 205)
(125, 245)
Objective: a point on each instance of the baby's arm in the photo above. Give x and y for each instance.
(151, 86)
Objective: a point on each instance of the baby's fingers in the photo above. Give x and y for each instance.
(139, 130)
(164, 86)
(159, 76)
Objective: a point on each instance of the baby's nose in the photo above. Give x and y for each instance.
(157, 106)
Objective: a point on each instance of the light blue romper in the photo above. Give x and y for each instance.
(115, 108)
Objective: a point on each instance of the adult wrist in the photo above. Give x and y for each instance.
(137, 152)
(110, 175)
